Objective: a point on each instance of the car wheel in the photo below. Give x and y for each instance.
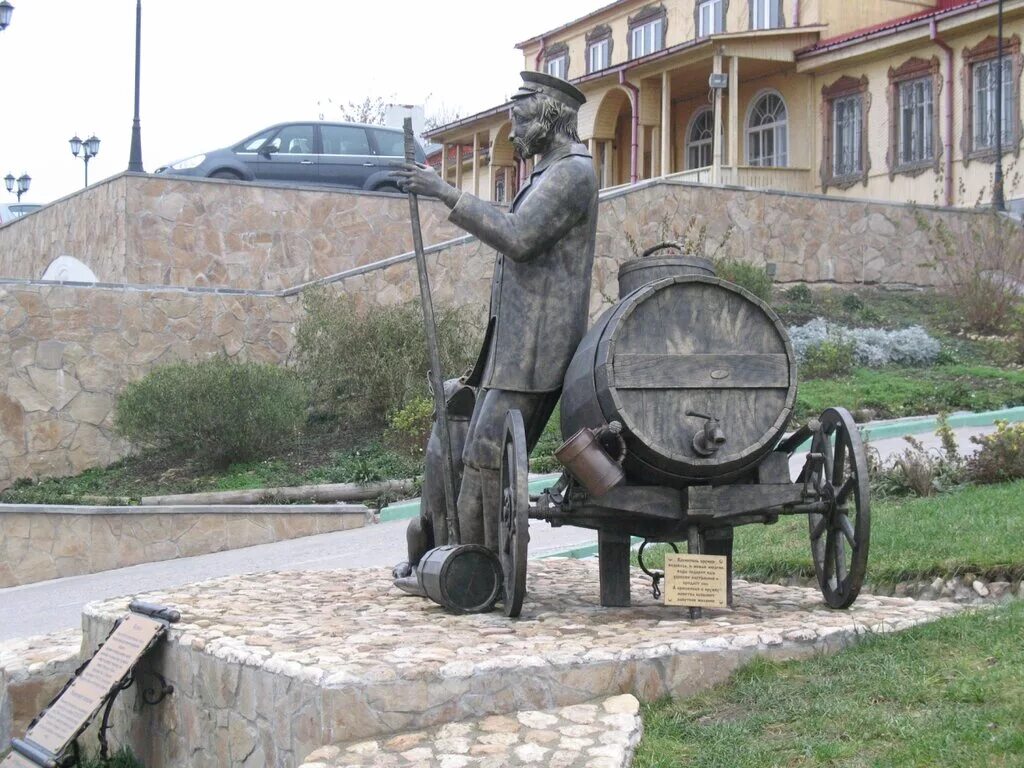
(389, 188)
(225, 175)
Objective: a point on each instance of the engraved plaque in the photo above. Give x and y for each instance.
(696, 581)
(105, 671)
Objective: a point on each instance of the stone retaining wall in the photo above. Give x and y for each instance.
(135, 228)
(39, 542)
(32, 672)
(71, 349)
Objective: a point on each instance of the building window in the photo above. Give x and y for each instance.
(981, 94)
(647, 31)
(599, 48)
(499, 186)
(711, 17)
(557, 66)
(914, 143)
(700, 141)
(768, 132)
(556, 60)
(765, 14)
(597, 55)
(985, 92)
(845, 160)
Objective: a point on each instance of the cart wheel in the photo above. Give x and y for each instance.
(839, 536)
(513, 527)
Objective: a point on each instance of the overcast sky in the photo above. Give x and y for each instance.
(216, 71)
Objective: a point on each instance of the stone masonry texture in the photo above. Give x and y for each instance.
(270, 668)
(38, 543)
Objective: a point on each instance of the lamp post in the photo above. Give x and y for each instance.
(6, 11)
(998, 194)
(23, 182)
(89, 149)
(135, 155)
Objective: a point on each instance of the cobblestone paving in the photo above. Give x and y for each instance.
(286, 663)
(601, 734)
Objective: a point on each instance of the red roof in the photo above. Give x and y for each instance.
(941, 7)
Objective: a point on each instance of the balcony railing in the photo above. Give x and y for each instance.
(755, 177)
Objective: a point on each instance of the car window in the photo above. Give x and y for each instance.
(344, 140)
(253, 144)
(389, 143)
(295, 140)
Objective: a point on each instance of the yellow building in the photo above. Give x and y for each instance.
(886, 99)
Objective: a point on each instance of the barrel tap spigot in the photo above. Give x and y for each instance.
(708, 440)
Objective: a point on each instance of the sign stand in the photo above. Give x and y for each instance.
(52, 737)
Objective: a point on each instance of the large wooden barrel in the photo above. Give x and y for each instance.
(679, 346)
(647, 269)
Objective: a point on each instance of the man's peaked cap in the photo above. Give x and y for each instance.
(549, 85)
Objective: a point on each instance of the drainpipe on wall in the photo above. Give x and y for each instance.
(540, 55)
(634, 150)
(796, 13)
(947, 142)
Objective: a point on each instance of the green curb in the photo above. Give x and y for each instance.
(913, 425)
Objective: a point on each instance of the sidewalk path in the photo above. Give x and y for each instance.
(51, 605)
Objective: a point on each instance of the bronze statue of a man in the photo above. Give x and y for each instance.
(540, 292)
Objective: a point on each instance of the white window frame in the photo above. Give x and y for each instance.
(710, 18)
(703, 144)
(557, 66)
(778, 130)
(983, 105)
(601, 61)
(852, 135)
(765, 14)
(915, 127)
(647, 38)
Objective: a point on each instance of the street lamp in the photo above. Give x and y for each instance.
(23, 182)
(6, 10)
(135, 154)
(89, 149)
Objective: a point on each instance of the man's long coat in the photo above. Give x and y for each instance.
(540, 292)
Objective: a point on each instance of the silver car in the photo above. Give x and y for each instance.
(340, 154)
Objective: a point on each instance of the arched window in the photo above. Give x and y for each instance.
(700, 144)
(768, 132)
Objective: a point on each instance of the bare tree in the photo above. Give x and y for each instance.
(370, 110)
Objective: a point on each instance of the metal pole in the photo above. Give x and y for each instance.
(86, 157)
(436, 380)
(998, 195)
(135, 156)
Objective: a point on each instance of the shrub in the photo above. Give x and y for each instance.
(363, 366)
(920, 471)
(799, 294)
(984, 268)
(754, 279)
(873, 347)
(831, 358)
(216, 410)
(851, 302)
(410, 425)
(1000, 455)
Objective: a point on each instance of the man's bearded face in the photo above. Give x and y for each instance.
(531, 133)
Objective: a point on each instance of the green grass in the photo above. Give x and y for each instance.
(973, 530)
(123, 758)
(949, 693)
(894, 392)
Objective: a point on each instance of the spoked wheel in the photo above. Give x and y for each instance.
(837, 472)
(513, 526)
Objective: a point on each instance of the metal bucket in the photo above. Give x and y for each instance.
(639, 272)
(462, 578)
(587, 461)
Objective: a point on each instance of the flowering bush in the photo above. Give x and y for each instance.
(872, 347)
